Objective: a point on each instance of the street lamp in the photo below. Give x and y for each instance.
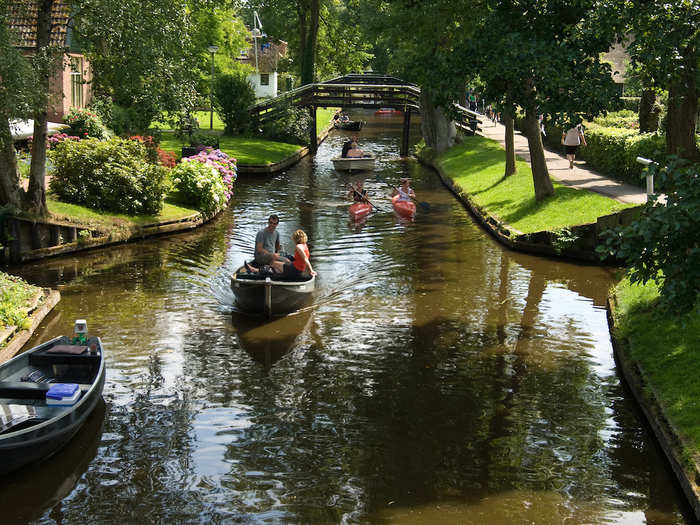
(212, 50)
(256, 33)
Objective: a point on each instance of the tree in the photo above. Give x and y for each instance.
(141, 53)
(17, 97)
(664, 44)
(543, 55)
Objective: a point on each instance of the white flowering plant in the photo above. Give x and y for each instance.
(205, 180)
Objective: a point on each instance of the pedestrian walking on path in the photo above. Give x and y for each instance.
(572, 139)
(580, 177)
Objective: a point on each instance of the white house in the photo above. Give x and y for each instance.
(264, 57)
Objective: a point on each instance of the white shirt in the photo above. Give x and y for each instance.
(573, 137)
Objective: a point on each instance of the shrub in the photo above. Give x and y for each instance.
(204, 180)
(625, 118)
(234, 95)
(84, 123)
(664, 244)
(53, 140)
(112, 175)
(14, 296)
(630, 103)
(290, 125)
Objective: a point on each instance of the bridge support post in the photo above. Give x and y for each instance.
(313, 135)
(406, 129)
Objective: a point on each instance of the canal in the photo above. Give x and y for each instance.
(438, 378)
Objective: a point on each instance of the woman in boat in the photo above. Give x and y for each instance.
(404, 191)
(300, 262)
(357, 193)
(354, 152)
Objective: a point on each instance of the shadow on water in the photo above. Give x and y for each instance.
(267, 341)
(26, 494)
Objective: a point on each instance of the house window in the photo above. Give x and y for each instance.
(264, 79)
(76, 82)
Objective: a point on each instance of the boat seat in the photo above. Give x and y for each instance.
(23, 390)
(47, 359)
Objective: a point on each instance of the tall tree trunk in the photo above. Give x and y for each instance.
(683, 111)
(648, 111)
(509, 122)
(540, 174)
(35, 198)
(10, 191)
(438, 132)
(309, 32)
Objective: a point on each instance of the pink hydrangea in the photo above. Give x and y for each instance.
(220, 161)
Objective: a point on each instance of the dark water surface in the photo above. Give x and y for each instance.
(439, 379)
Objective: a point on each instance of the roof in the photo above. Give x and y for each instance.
(22, 18)
(23, 129)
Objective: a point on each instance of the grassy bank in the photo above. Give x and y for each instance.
(104, 220)
(15, 298)
(478, 164)
(667, 348)
(248, 150)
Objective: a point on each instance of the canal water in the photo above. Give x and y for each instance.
(438, 378)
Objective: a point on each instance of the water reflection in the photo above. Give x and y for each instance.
(267, 341)
(438, 377)
(26, 494)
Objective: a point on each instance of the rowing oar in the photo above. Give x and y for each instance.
(365, 198)
(423, 204)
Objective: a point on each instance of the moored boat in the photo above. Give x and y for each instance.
(46, 394)
(270, 295)
(350, 125)
(354, 163)
(388, 111)
(403, 208)
(359, 210)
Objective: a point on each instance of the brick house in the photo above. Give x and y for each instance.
(69, 85)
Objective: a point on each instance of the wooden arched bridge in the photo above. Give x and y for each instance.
(367, 91)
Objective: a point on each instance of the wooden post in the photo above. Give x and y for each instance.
(54, 235)
(313, 135)
(15, 241)
(406, 129)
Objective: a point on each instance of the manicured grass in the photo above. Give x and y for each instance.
(15, 295)
(202, 118)
(667, 348)
(98, 218)
(478, 164)
(323, 117)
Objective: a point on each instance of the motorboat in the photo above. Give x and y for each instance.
(365, 163)
(270, 294)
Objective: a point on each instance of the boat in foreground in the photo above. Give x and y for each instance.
(403, 208)
(350, 125)
(270, 295)
(46, 394)
(354, 163)
(359, 210)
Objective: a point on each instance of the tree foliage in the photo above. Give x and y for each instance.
(664, 245)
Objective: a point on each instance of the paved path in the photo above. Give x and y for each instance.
(558, 165)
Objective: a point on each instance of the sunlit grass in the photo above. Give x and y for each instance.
(667, 347)
(97, 218)
(478, 164)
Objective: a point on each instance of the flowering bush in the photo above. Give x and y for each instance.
(205, 180)
(112, 175)
(53, 140)
(155, 154)
(84, 123)
(166, 158)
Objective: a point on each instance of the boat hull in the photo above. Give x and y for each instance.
(360, 210)
(353, 163)
(268, 297)
(388, 111)
(56, 425)
(403, 208)
(352, 125)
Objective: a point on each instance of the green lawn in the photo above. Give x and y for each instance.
(667, 348)
(478, 164)
(251, 150)
(98, 218)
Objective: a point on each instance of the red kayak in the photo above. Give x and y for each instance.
(403, 208)
(359, 210)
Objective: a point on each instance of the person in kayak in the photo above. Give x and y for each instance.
(404, 191)
(357, 193)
